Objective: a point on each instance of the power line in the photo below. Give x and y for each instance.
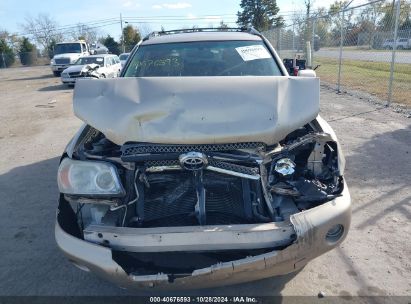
(176, 16)
(328, 15)
(180, 19)
(170, 19)
(74, 26)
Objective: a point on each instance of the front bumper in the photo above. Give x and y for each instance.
(311, 228)
(59, 67)
(67, 80)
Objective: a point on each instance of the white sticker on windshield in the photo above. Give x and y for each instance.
(99, 59)
(253, 52)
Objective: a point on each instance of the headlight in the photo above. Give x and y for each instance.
(52, 61)
(88, 178)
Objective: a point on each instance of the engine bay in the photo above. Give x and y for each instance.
(203, 204)
(224, 184)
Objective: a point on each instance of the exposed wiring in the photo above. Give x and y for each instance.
(130, 202)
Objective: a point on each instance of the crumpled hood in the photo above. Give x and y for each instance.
(73, 68)
(79, 68)
(197, 110)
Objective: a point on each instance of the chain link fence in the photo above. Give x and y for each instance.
(10, 59)
(364, 50)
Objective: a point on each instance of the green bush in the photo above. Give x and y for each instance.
(27, 52)
(7, 56)
(112, 45)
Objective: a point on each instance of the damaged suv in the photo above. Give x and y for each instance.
(204, 164)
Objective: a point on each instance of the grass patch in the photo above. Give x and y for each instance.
(370, 77)
(362, 48)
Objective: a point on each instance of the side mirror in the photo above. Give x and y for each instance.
(307, 73)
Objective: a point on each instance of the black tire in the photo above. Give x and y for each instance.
(56, 73)
(102, 76)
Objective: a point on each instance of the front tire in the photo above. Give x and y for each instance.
(56, 73)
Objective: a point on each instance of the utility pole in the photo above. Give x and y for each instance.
(4, 61)
(341, 45)
(394, 50)
(122, 34)
(313, 40)
(293, 38)
(293, 27)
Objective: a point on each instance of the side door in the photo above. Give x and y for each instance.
(84, 49)
(117, 66)
(110, 67)
(107, 65)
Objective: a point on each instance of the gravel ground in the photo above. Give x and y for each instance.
(36, 122)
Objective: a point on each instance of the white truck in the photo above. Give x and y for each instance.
(402, 44)
(66, 53)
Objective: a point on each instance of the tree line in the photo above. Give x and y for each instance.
(368, 25)
(45, 33)
(42, 33)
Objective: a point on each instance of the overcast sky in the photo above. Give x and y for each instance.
(105, 14)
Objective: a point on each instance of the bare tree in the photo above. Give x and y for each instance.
(368, 19)
(11, 39)
(85, 32)
(43, 29)
(144, 29)
(222, 25)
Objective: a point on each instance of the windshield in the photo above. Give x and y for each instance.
(67, 48)
(203, 58)
(124, 56)
(90, 60)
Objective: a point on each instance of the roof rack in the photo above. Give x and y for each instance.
(250, 30)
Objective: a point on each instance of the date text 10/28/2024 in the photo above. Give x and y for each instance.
(205, 299)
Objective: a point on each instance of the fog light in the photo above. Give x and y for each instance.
(335, 233)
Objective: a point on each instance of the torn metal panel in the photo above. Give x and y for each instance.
(311, 227)
(197, 110)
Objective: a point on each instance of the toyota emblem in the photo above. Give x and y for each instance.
(193, 161)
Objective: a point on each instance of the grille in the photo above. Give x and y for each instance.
(74, 74)
(171, 199)
(128, 151)
(154, 163)
(62, 61)
(234, 167)
(217, 164)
